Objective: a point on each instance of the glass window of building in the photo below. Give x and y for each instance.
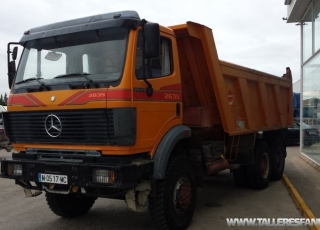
(311, 108)
(307, 36)
(307, 123)
(316, 14)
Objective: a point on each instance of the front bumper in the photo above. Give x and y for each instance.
(127, 174)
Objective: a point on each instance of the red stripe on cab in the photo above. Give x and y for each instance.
(172, 87)
(21, 100)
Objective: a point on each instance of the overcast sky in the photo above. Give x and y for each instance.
(251, 33)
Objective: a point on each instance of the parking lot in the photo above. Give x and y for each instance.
(218, 200)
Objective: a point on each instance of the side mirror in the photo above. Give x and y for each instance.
(14, 53)
(11, 62)
(12, 72)
(152, 40)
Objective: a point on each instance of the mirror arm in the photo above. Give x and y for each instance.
(149, 89)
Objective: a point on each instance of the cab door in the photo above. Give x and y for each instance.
(159, 112)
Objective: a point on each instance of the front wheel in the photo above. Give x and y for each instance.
(174, 199)
(69, 205)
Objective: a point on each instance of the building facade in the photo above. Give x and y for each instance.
(306, 14)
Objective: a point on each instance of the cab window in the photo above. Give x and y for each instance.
(158, 67)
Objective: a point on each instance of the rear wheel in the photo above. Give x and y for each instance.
(69, 205)
(259, 172)
(277, 159)
(174, 199)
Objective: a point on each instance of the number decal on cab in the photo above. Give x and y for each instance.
(171, 96)
(97, 95)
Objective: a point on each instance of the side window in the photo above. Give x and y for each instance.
(158, 67)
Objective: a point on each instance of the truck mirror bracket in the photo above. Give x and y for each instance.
(11, 63)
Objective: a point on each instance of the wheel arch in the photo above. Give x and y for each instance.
(177, 136)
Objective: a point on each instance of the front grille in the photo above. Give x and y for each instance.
(87, 127)
(62, 154)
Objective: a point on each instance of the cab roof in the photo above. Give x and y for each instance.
(120, 18)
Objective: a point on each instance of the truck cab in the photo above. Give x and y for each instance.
(72, 67)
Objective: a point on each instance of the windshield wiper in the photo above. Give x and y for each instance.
(42, 85)
(28, 79)
(84, 75)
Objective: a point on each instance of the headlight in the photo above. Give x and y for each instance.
(14, 170)
(103, 176)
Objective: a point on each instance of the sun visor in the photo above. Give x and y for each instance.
(128, 19)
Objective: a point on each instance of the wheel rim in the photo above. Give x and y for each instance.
(182, 195)
(265, 165)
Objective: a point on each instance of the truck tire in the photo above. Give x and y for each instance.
(174, 198)
(240, 177)
(69, 205)
(259, 172)
(277, 160)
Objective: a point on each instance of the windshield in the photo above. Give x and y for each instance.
(99, 53)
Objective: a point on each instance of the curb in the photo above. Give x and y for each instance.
(306, 212)
(310, 162)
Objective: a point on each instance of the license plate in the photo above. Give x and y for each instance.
(312, 133)
(52, 178)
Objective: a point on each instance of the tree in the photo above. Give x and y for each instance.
(5, 99)
(1, 100)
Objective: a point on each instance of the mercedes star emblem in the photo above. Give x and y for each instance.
(53, 125)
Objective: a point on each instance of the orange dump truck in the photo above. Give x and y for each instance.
(117, 107)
